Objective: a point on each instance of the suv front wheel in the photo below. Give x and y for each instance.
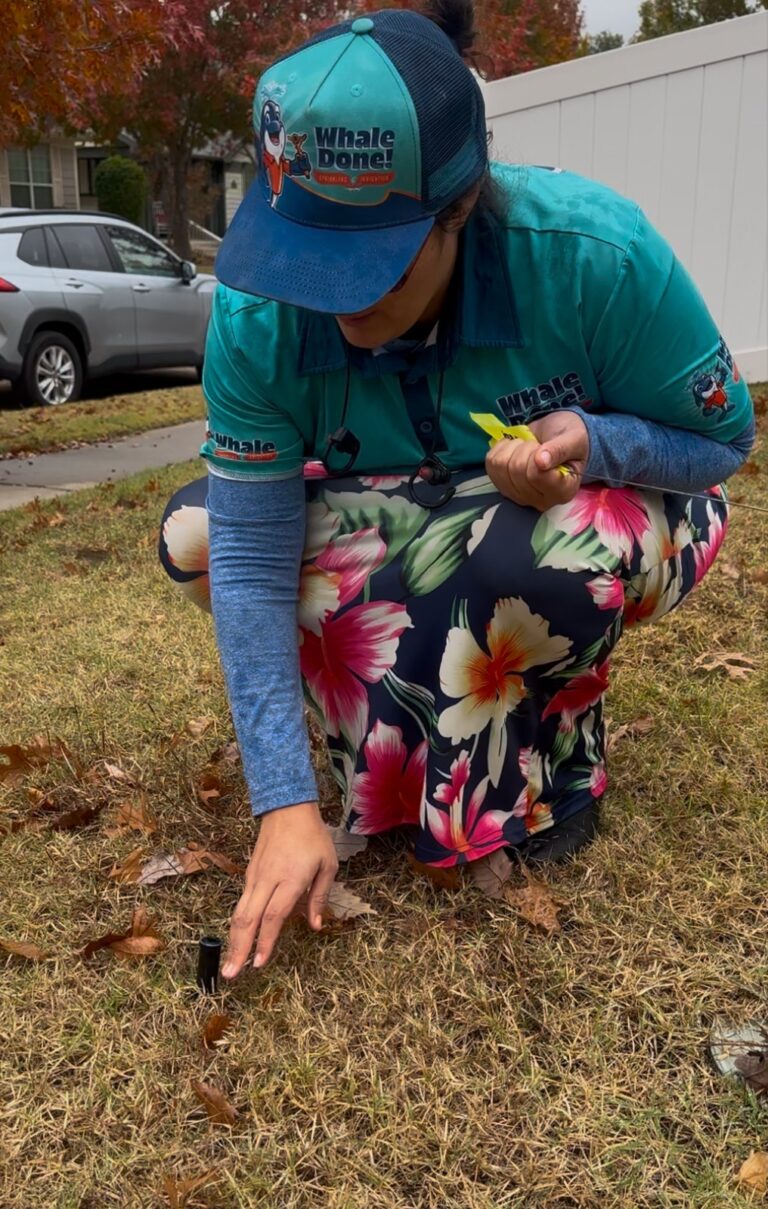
(52, 372)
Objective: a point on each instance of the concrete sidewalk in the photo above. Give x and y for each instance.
(50, 474)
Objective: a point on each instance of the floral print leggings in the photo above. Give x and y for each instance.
(457, 659)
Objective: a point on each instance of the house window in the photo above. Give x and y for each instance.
(30, 176)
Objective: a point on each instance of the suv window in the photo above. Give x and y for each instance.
(83, 247)
(139, 254)
(32, 248)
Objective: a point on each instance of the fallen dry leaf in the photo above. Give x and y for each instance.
(141, 940)
(23, 948)
(347, 843)
(128, 870)
(116, 772)
(753, 1067)
(342, 907)
(640, 726)
(198, 726)
(132, 815)
(81, 816)
(535, 903)
(21, 760)
(228, 753)
(729, 569)
(216, 1026)
(750, 468)
(736, 665)
(753, 1173)
(490, 873)
(209, 788)
(446, 879)
(179, 1191)
(216, 1104)
(191, 859)
(761, 576)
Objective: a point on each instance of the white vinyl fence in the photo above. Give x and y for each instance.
(680, 125)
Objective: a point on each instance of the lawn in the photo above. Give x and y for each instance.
(38, 429)
(438, 1053)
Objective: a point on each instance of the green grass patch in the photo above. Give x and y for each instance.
(41, 429)
(441, 1053)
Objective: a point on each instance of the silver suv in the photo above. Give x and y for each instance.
(84, 294)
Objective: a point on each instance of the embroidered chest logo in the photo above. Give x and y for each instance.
(709, 388)
(527, 404)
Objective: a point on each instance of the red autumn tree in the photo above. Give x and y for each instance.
(201, 88)
(59, 55)
(519, 35)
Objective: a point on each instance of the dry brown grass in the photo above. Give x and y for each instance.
(442, 1053)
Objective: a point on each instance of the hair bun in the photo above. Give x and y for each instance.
(456, 18)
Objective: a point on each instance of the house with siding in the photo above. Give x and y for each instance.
(59, 174)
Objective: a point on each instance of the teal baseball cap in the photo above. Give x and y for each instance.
(363, 135)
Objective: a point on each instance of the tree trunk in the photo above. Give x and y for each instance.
(178, 219)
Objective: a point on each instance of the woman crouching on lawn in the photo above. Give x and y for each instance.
(389, 302)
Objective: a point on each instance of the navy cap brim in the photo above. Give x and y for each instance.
(336, 271)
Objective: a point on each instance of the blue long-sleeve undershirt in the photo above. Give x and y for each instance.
(256, 542)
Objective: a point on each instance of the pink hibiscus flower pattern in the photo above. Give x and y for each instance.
(535, 814)
(617, 515)
(360, 645)
(389, 794)
(469, 834)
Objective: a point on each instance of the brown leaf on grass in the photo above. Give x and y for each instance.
(216, 1104)
(761, 576)
(179, 1191)
(21, 759)
(116, 772)
(347, 843)
(141, 940)
(736, 665)
(227, 753)
(640, 726)
(23, 948)
(750, 468)
(198, 726)
(446, 879)
(191, 859)
(535, 903)
(753, 1173)
(216, 1026)
(81, 816)
(729, 569)
(343, 907)
(209, 788)
(490, 873)
(753, 1067)
(129, 869)
(132, 815)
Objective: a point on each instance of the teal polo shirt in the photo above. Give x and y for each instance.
(564, 296)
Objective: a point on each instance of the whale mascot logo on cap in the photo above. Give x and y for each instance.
(275, 162)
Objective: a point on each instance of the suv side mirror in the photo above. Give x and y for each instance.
(187, 271)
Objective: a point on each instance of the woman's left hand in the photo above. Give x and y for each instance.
(527, 472)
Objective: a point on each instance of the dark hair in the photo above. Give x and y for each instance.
(456, 18)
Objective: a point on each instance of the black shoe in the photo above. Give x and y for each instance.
(557, 843)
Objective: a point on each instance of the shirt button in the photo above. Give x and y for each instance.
(426, 427)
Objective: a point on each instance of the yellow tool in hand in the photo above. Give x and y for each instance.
(498, 431)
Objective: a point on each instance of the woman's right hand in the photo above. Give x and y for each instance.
(293, 854)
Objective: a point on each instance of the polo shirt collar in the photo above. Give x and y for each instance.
(484, 311)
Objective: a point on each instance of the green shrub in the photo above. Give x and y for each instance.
(121, 188)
